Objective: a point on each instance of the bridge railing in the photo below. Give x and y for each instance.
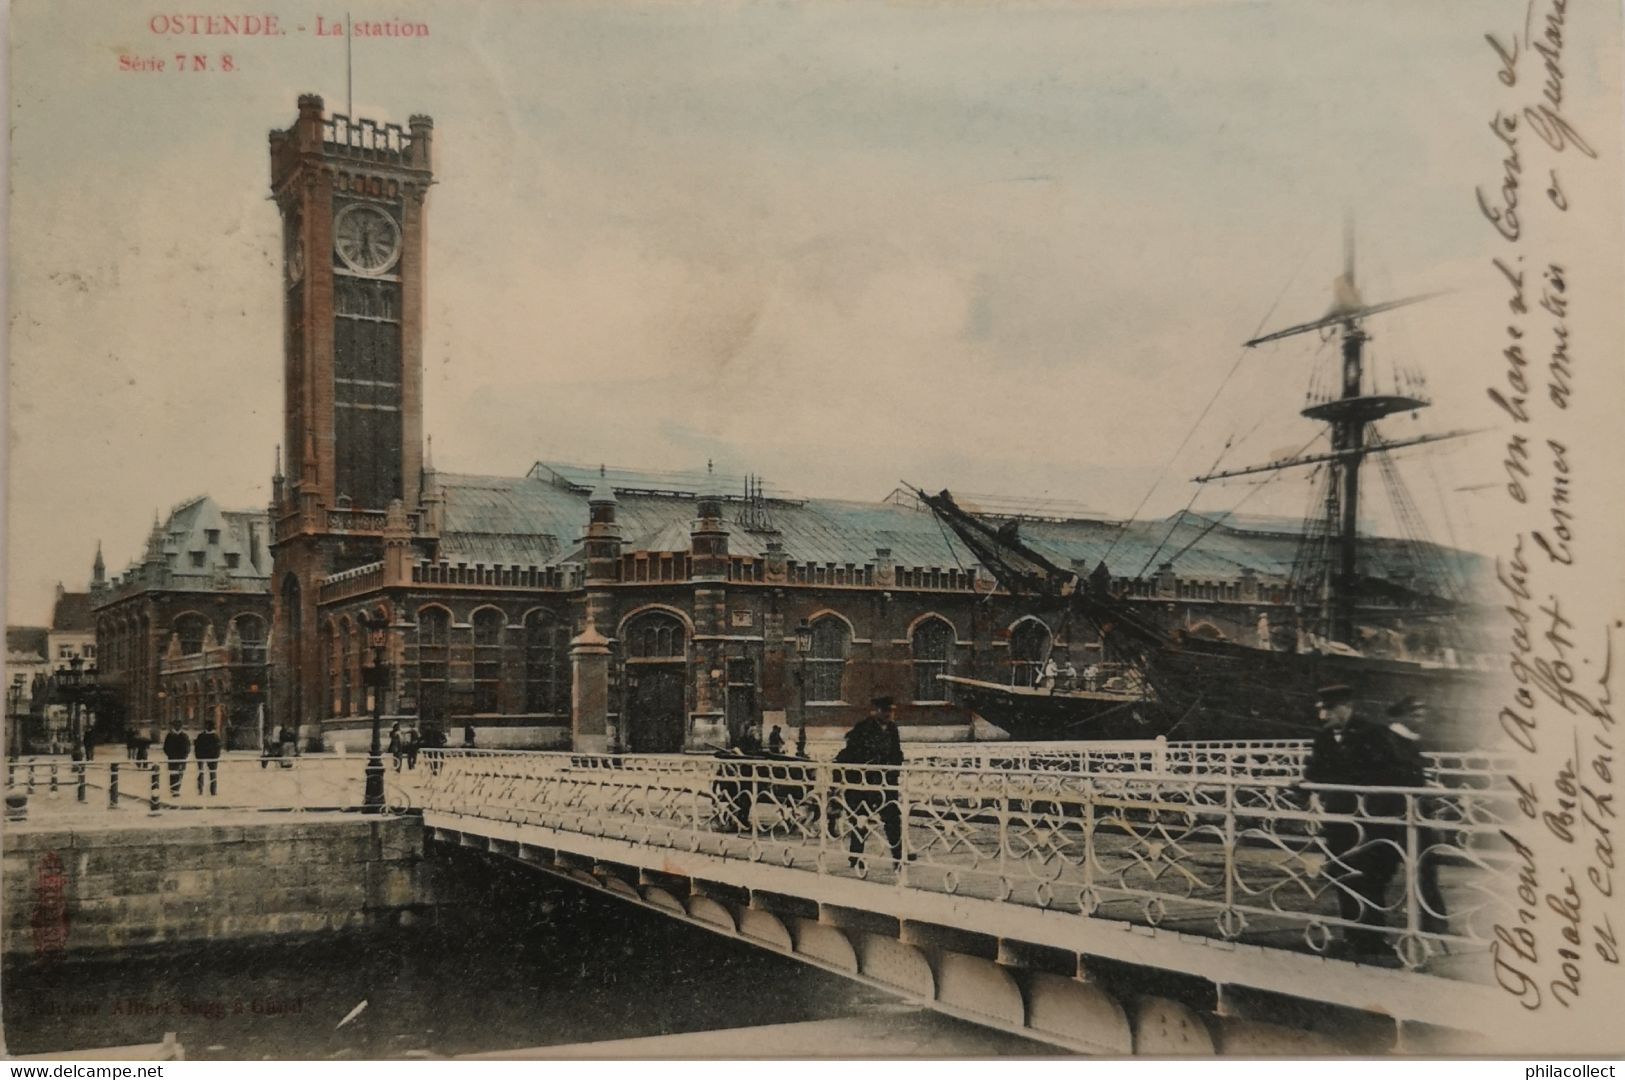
(45, 789)
(1257, 759)
(1396, 873)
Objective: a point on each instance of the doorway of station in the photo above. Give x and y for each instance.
(656, 717)
(742, 709)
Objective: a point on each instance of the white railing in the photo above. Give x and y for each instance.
(49, 789)
(1256, 759)
(1396, 873)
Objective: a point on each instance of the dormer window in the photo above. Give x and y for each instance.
(213, 535)
(232, 559)
(197, 558)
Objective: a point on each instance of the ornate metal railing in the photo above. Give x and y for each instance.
(1407, 871)
(1256, 759)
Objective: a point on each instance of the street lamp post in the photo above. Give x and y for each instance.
(73, 681)
(804, 635)
(14, 709)
(377, 677)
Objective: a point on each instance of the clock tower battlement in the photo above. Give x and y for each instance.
(352, 194)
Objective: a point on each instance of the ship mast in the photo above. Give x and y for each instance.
(1347, 416)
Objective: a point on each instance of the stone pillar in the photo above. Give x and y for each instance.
(589, 684)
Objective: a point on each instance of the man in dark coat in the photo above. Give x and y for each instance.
(176, 748)
(1358, 752)
(872, 741)
(207, 751)
(1407, 719)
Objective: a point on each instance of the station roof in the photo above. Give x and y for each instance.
(541, 517)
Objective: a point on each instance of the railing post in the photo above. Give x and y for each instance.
(1413, 868)
(30, 778)
(1229, 853)
(152, 798)
(1004, 830)
(53, 779)
(112, 786)
(826, 807)
(1088, 839)
(82, 783)
(902, 827)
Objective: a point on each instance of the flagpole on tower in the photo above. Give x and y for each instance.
(349, 77)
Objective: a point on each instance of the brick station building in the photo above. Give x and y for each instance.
(654, 611)
(181, 633)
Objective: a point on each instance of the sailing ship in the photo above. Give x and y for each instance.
(1209, 687)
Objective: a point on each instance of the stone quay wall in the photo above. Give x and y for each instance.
(85, 893)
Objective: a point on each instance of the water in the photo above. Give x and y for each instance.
(535, 964)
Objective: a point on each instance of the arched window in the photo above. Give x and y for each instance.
(251, 631)
(330, 651)
(656, 635)
(346, 659)
(434, 649)
(1029, 646)
(488, 627)
(547, 664)
(933, 647)
(360, 653)
(191, 627)
(826, 664)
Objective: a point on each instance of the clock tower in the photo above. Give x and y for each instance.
(351, 194)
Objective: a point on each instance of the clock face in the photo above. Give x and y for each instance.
(366, 239)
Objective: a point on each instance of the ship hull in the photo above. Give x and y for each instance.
(1039, 715)
(1220, 689)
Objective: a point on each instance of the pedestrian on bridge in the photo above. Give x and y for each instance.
(1407, 719)
(1356, 751)
(397, 745)
(177, 746)
(207, 751)
(872, 741)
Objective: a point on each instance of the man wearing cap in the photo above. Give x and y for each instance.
(873, 741)
(1353, 751)
(1407, 718)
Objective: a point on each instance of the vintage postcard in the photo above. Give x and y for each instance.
(603, 529)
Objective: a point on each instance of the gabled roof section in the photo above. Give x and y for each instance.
(202, 547)
(27, 642)
(72, 613)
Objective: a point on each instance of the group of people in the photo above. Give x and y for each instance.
(1060, 675)
(178, 747)
(405, 746)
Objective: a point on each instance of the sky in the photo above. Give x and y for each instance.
(1006, 248)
